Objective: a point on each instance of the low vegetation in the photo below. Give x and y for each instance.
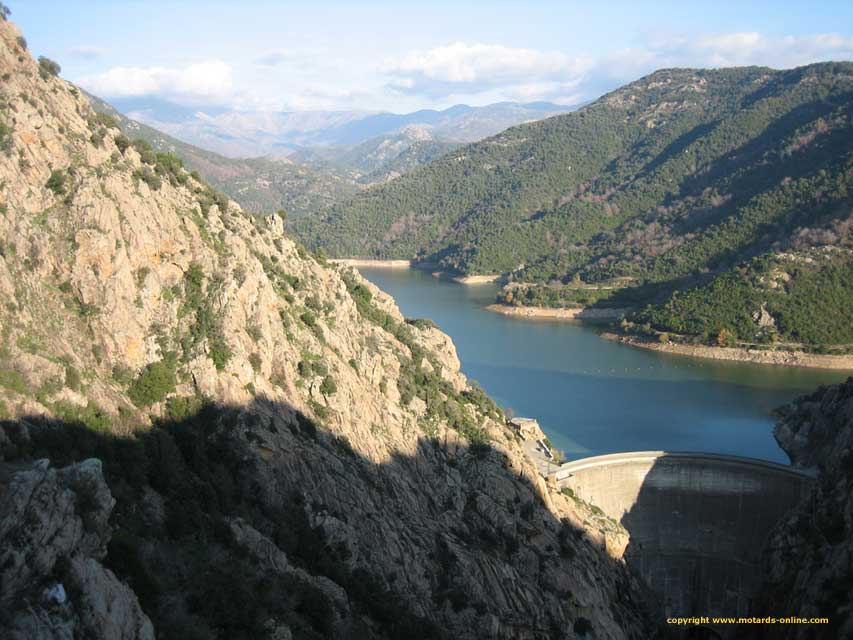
(442, 401)
(48, 68)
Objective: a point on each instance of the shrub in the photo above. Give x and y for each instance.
(105, 120)
(92, 416)
(122, 142)
(122, 375)
(72, 378)
(124, 559)
(221, 201)
(218, 351)
(148, 177)
(254, 332)
(97, 137)
(56, 182)
(255, 361)
(4, 12)
(726, 338)
(48, 67)
(5, 138)
(141, 275)
(328, 386)
(308, 318)
(422, 323)
(183, 407)
(22, 42)
(170, 165)
(153, 384)
(146, 153)
(14, 381)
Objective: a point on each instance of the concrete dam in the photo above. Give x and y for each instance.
(698, 522)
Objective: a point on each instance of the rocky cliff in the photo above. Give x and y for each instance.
(808, 559)
(53, 533)
(289, 456)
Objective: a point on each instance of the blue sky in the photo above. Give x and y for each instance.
(401, 56)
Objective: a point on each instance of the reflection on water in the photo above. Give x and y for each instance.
(593, 396)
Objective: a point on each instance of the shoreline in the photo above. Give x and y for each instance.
(583, 314)
(555, 313)
(737, 354)
(486, 279)
(423, 266)
(368, 262)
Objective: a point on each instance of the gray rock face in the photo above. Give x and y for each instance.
(53, 531)
(809, 559)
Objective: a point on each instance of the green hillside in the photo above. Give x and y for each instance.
(663, 185)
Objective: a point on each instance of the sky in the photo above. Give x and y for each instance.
(403, 56)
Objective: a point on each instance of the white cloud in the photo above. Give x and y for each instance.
(202, 83)
(499, 72)
(320, 77)
(752, 48)
(465, 68)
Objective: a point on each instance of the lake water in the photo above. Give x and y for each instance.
(593, 396)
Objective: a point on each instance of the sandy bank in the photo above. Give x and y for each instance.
(366, 262)
(758, 356)
(476, 279)
(579, 313)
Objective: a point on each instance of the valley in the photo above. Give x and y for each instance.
(714, 203)
(516, 371)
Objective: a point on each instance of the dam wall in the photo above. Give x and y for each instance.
(698, 522)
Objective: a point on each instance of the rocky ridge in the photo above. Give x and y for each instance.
(808, 559)
(291, 404)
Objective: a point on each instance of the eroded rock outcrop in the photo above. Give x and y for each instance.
(53, 533)
(809, 559)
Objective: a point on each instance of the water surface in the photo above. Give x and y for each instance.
(593, 396)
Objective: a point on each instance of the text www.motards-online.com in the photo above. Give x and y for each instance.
(696, 620)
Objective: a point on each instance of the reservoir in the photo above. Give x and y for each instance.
(592, 396)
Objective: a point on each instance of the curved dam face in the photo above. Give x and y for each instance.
(698, 522)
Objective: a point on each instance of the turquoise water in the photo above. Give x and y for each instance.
(593, 396)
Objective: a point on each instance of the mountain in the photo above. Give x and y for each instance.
(673, 182)
(207, 432)
(378, 159)
(256, 133)
(311, 179)
(258, 184)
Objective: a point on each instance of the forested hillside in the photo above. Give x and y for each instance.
(659, 186)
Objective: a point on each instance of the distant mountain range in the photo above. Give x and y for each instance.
(258, 184)
(257, 133)
(311, 178)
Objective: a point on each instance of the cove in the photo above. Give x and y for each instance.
(592, 396)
